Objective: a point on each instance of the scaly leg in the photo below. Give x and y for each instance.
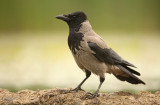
(88, 73)
(97, 91)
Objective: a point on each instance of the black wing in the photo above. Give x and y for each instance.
(109, 56)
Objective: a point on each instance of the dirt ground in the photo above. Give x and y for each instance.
(64, 97)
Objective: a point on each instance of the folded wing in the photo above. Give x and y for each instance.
(110, 57)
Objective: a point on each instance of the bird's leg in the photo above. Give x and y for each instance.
(88, 73)
(95, 94)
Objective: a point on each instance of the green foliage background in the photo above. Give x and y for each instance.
(106, 15)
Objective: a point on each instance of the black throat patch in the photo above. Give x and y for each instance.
(74, 40)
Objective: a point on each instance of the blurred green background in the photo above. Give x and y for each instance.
(33, 43)
(109, 15)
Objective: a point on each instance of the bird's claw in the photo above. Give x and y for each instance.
(92, 95)
(76, 89)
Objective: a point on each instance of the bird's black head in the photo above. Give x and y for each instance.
(73, 19)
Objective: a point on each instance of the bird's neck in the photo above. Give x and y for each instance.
(82, 28)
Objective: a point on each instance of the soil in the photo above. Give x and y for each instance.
(64, 97)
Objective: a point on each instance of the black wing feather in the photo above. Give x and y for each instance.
(109, 56)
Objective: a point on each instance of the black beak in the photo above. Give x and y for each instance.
(63, 17)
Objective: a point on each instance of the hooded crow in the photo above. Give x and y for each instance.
(93, 55)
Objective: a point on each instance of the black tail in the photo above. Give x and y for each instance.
(131, 78)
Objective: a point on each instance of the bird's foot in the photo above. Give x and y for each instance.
(76, 89)
(92, 95)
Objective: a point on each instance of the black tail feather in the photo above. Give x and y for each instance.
(131, 78)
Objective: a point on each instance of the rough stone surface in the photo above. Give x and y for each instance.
(64, 97)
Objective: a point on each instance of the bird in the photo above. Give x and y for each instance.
(93, 55)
